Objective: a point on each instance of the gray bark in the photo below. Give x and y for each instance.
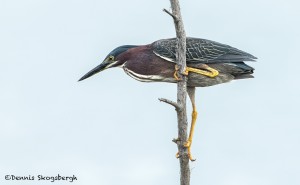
(181, 93)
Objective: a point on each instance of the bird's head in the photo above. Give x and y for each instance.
(113, 59)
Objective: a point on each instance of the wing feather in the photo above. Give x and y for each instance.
(201, 51)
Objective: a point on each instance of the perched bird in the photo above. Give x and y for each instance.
(208, 63)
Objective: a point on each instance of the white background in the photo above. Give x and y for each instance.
(111, 129)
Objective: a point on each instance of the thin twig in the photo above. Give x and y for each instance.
(172, 15)
(174, 104)
(175, 140)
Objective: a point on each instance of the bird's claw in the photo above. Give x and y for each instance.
(176, 73)
(191, 158)
(187, 145)
(189, 155)
(186, 73)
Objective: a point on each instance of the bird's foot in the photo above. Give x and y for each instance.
(177, 155)
(176, 73)
(187, 145)
(186, 72)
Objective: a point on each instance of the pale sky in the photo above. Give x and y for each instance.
(111, 129)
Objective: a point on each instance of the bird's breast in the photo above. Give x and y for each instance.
(147, 77)
(147, 67)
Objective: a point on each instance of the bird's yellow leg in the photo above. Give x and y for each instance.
(188, 143)
(210, 72)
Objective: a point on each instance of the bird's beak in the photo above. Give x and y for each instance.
(104, 65)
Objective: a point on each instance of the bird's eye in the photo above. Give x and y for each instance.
(111, 58)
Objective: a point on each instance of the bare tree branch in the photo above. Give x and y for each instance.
(172, 15)
(174, 104)
(181, 93)
(175, 140)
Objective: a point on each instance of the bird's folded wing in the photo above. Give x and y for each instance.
(201, 51)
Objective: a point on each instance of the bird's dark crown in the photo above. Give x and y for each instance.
(120, 50)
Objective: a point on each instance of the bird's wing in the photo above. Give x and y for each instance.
(201, 51)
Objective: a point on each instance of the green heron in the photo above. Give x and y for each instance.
(208, 63)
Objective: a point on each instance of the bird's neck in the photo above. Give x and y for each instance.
(129, 54)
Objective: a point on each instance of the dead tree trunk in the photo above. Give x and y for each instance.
(181, 93)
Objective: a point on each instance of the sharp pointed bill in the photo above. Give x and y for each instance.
(96, 70)
(107, 63)
(110, 61)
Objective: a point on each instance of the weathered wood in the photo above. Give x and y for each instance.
(174, 104)
(181, 93)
